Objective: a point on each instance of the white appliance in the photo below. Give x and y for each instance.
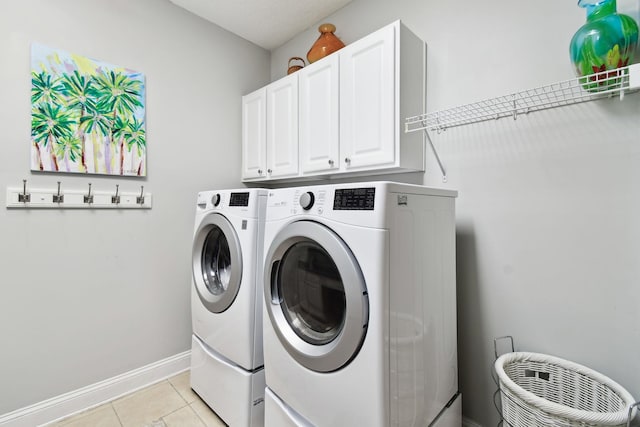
(360, 297)
(227, 366)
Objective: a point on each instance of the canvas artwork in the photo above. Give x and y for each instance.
(87, 116)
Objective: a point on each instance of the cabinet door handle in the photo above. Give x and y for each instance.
(347, 160)
(330, 162)
(269, 171)
(259, 171)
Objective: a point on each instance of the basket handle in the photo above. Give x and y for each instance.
(495, 344)
(296, 58)
(631, 413)
(495, 378)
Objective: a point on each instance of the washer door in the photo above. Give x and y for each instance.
(316, 296)
(217, 263)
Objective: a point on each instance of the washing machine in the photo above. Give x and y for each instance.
(227, 364)
(360, 306)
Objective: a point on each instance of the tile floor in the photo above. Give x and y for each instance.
(169, 403)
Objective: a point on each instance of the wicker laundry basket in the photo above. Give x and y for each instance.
(541, 390)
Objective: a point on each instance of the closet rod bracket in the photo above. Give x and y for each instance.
(435, 153)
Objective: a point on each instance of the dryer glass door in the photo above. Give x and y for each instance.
(217, 263)
(316, 296)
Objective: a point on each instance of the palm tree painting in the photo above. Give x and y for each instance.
(87, 116)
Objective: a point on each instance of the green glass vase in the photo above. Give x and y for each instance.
(605, 42)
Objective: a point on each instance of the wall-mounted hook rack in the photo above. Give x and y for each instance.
(75, 199)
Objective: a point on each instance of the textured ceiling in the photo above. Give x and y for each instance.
(267, 23)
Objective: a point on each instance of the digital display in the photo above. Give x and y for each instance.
(354, 199)
(239, 199)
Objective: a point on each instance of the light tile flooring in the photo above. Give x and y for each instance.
(170, 403)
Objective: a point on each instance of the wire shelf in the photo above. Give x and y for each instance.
(595, 86)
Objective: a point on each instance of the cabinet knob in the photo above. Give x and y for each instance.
(330, 162)
(269, 171)
(347, 160)
(259, 171)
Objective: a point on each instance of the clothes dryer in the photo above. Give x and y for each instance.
(360, 318)
(226, 302)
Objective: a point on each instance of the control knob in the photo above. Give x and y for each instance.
(215, 200)
(306, 200)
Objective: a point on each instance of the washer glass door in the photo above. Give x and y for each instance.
(311, 292)
(316, 296)
(217, 263)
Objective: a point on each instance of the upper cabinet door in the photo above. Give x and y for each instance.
(254, 142)
(368, 101)
(319, 116)
(282, 127)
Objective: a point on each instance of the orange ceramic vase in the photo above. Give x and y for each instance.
(326, 44)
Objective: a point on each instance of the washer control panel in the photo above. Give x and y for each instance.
(344, 199)
(224, 199)
(239, 199)
(308, 201)
(354, 199)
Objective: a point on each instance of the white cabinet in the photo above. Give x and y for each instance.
(270, 131)
(254, 134)
(319, 116)
(282, 127)
(349, 106)
(367, 101)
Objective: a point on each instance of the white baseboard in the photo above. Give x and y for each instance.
(466, 422)
(96, 394)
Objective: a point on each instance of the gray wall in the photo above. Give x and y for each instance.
(548, 230)
(87, 295)
(548, 213)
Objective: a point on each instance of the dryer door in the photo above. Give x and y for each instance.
(217, 263)
(316, 296)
